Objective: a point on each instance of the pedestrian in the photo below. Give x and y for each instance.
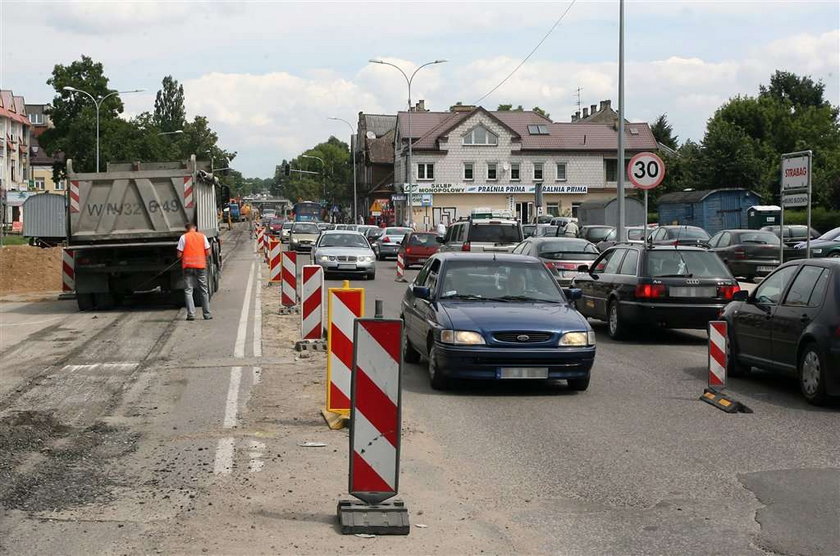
(571, 229)
(193, 250)
(441, 229)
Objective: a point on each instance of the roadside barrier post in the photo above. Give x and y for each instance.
(275, 264)
(375, 432)
(312, 309)
(288, 288)
(400, 268)
(266, 237)
(260, 239)
(68, 273)
(344, 305)
(713, 394)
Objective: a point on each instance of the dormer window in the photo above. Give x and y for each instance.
(480, 136)
(538, 129)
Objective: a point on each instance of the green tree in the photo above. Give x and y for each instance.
(798, 91)
(541, 112)
(170, 114)
(334, 178)
(504, 108)
(663, 132)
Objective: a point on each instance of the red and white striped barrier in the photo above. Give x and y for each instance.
(375, 416)
(718, 335)
(260, 239)
(73, 193)
(400, 268)
(275, 264)
(288, 289)
(188, 192)
(68, 271)
(312, 303)
(344, 306)
(266, 237)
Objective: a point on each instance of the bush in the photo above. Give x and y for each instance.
(822, 219)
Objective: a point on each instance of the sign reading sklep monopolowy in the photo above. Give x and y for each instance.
(443, 188)
(795, 171)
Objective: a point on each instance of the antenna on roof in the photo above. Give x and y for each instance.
(578, 90)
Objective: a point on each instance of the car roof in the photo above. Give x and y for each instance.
(654, 247)
(485, 221)
(825, 262)
(336, 232)
(543, 239)
(478, 257)
(598, 226)
(674, 226)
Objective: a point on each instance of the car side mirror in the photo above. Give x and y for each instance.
(421, 292)
(573, 294)
(741, 295)
(583, 268)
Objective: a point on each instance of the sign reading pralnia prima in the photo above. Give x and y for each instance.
(470, 188)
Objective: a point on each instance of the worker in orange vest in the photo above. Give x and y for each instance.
(193, 250)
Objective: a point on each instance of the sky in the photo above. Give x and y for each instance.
(268, 75)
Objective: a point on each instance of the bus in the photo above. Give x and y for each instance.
(306, 211)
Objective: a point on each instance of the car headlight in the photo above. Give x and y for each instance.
(816, 250)
(577, 339)
(461, 337)
(365, 259)
(323, 258)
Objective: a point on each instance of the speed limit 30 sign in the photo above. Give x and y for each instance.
(646, 170)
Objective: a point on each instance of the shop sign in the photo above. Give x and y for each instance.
(459, 188)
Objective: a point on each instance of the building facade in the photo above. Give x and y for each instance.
(14, 154)
(41, 163)
(470, 157)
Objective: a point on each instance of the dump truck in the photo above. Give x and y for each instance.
(124, 225)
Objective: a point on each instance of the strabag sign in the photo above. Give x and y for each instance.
(458, 188)
(795, 172)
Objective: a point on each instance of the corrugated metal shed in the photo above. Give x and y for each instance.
(44, 216)
(713, 210)
(605, 212)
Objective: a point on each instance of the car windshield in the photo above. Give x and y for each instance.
(498, 281)
(397, 231)
(424, 240)
(831, 235)
(275, 222)
(761, 238)
(300, 228)
(545, 231)
(635, 234)
(343, 240)
(288, 225)
(689, 264)
(569, 249)
(495, 233)
(597, 234)
(687, 232)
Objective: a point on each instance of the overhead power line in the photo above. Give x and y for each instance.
(522, 63)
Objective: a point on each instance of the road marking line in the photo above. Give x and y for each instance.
(231, 405)
(224, 456)
(258, 315)
(239, 346)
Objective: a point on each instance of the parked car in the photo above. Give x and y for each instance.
(791, 322)
(388, 243)
(680, 235)
(827, 245)
(561, 221)
(494, 316)
(303, 235)
(275, 225)
(323, 226)
(487, 235)
(344, 252)
(547, 230)
(374, 233)
(673, 287)
(747, 253)
(528, 230)
(561, 255)
(593, 234)
(417, 247)
(635, 234)
(284, 231)
(366, 229)
(794, 233)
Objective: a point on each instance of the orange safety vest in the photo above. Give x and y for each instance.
(193, 254)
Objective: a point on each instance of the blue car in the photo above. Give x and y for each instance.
(495, 317)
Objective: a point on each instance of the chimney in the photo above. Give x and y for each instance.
(461, 108)
(575, 116)
(592, 109)
(420, 106)
(605, 104)
(585, 112)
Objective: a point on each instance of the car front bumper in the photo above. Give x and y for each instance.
(486, 362)
(670, 315)
(347, 267)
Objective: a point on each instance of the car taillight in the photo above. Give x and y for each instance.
(566, 266)
(727, 292)
(739, 254)
(84, 260)
(465, 246)
(650, 291)
(407, 250)
(386, 239)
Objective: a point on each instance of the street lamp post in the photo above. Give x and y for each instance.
(353, 157)
(176, 132)
(408, 80)
(97, 101)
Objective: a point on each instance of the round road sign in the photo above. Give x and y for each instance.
(646, 170)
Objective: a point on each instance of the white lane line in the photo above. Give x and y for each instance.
(257, 375)
(232, 403)
(239, 346)
(224, 456)
(258, 315)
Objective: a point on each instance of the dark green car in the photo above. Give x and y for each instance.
(827, 245)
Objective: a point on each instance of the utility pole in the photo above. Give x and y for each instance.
(578, 90)
(620, 169)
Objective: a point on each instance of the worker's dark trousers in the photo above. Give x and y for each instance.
(196, 278)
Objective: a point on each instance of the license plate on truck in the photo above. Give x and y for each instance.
(523, 372)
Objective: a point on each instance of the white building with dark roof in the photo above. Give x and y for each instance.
(471, 157)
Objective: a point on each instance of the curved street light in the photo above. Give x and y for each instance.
(97, 101)
(408, 80)
(353, 157)
(176, 132)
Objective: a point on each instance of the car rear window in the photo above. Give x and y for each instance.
(424, 240)
(573, 250)
(300, 228)
(597, 234)
(397, 231)
(831, 235)
(690, 264)
(687, 233)
(760, 238)
(495, 233)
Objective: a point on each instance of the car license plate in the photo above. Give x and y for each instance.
(422, 261)
(765, 269)
(346, 267)
(692, 292)
(524, 372)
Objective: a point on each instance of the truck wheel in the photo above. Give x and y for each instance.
(103, 300)
(85, 301)
(216, 278)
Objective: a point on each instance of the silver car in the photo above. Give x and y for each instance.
(388, 244)
(343, 252)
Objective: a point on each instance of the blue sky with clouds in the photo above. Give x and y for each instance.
(269, 74)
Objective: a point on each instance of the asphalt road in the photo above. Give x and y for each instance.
(133, 431)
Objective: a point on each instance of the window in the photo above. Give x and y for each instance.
(538, 129)
(514, 171)
(39, 184)
(771, 288)
(630, 262)
(561, 171)
(59, 186)
(725, 240)
(553, 209)
(37, 119)
(804, 286)
(538, 171)
(13, 168)
(468, 170)
(480, 136)
(491, 171)
(610, 170)
(575, 208)
(601, 264)
(425, 171)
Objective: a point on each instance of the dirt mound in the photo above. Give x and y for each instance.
(29, 269)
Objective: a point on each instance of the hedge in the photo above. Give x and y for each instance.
(822, 219)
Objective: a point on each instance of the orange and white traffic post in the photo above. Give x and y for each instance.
(275, 263)
(312, 303)
(716, 383)
(288, 288)
(344, 306)
(400, 268)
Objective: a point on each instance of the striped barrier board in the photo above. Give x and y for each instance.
(344, 306)
(375, 415)
(400, 268)
(312, 303)
(189, 198)
(260, 235)
(275, 264)
(73, 193)
(68, 271)
(288, 288)
(266, 237)
(718, 334)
